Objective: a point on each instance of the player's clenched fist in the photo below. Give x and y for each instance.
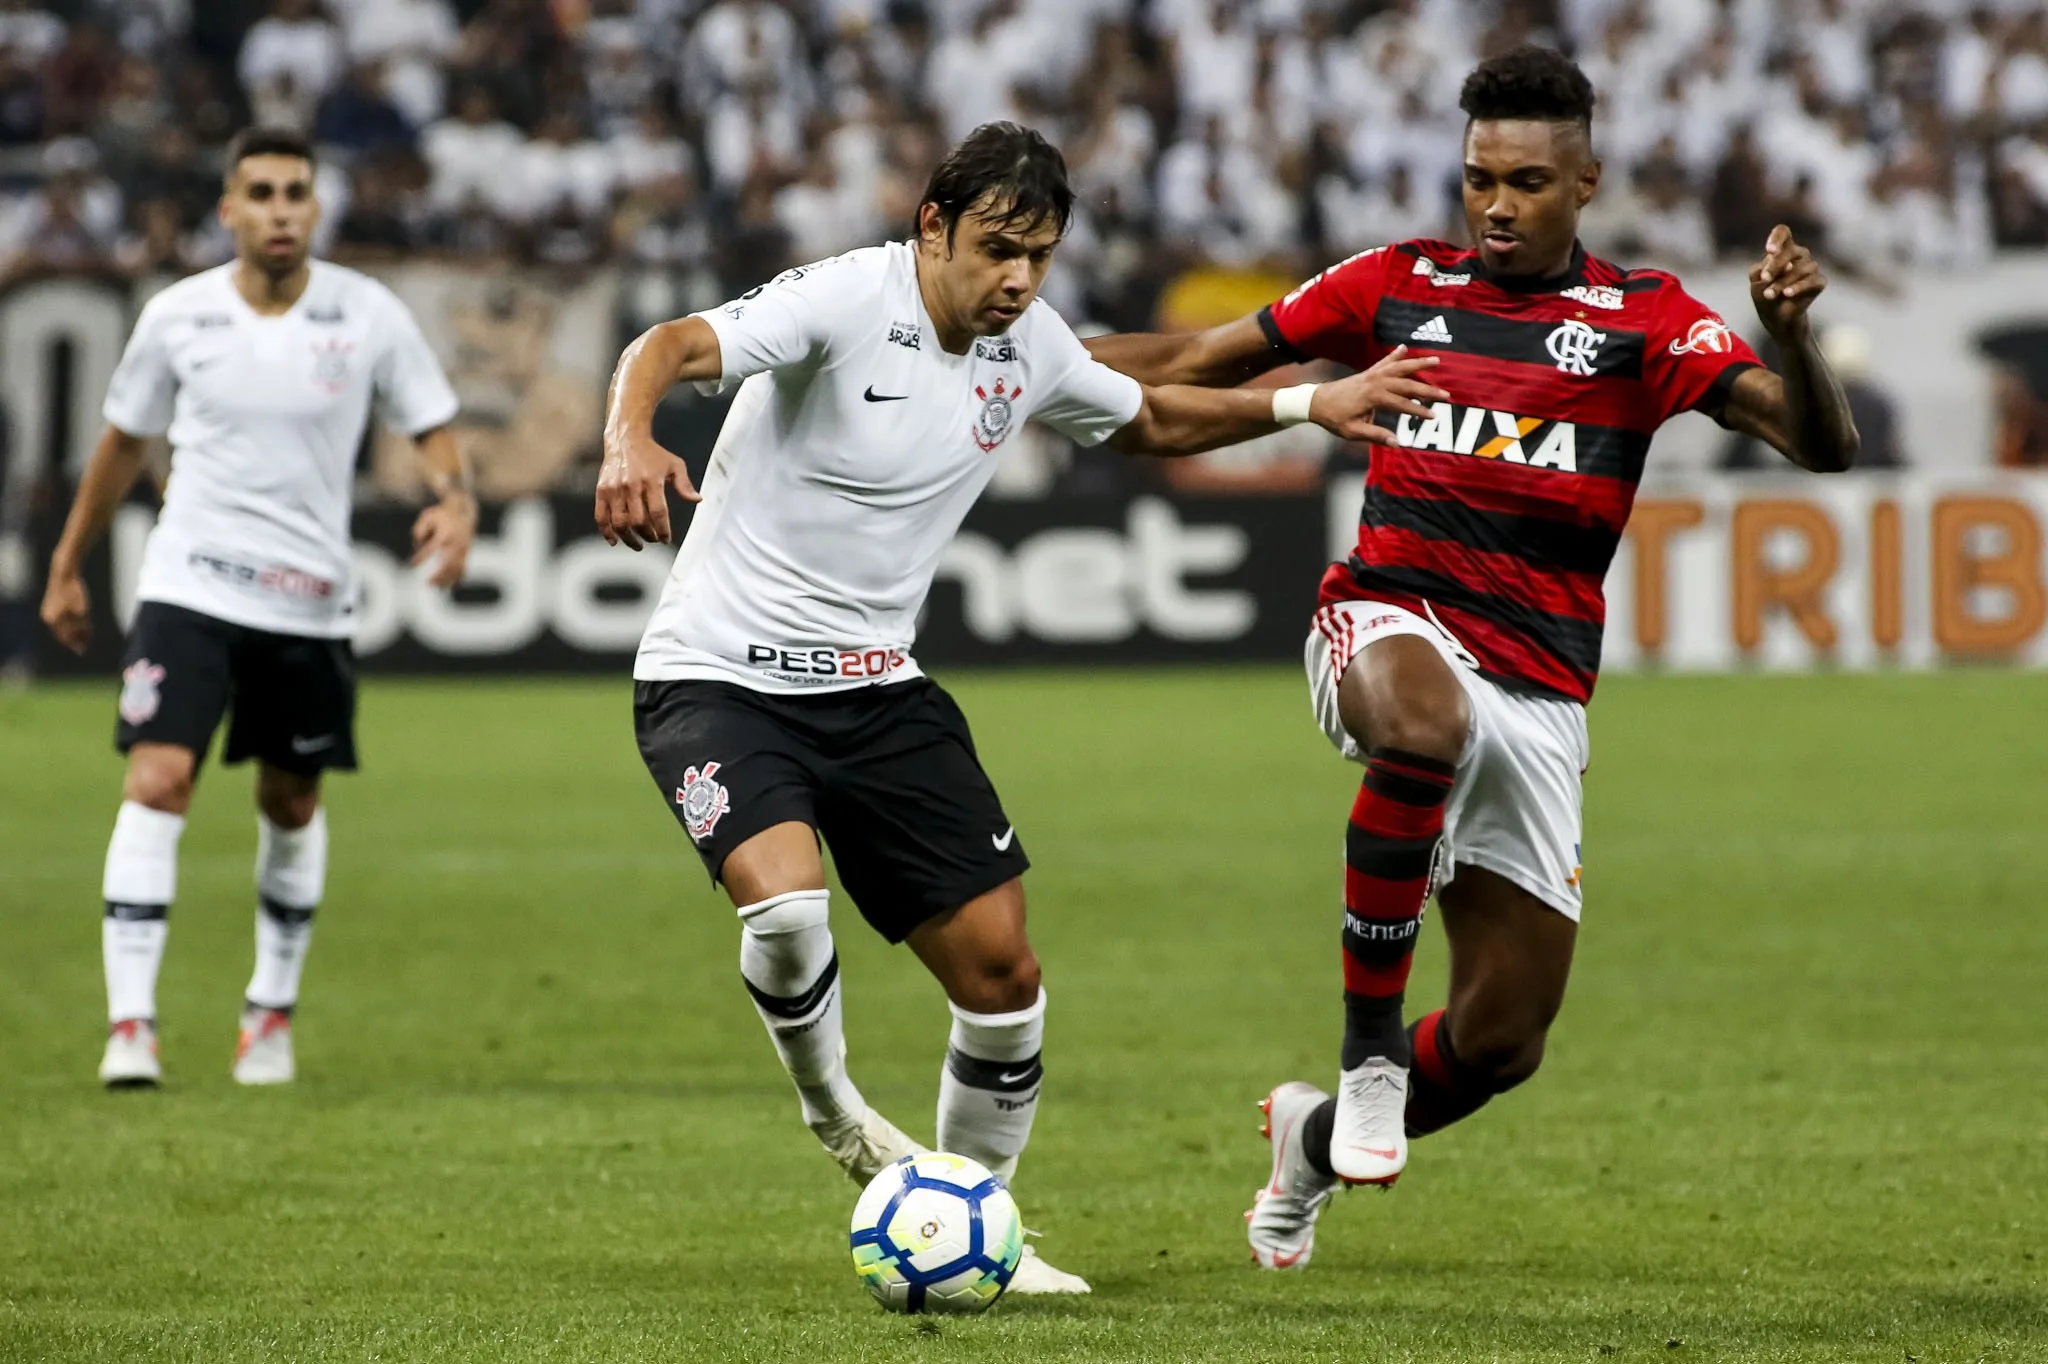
(67, 610)
(1784, 284)
(1346, 406)
(632, 490)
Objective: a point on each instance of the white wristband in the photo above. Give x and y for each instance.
(1290, 405)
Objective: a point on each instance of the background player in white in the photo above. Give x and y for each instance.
(776, 697)
(262, 372)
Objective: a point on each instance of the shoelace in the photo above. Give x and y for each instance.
(1378, 1094)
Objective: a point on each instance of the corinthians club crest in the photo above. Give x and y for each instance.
(998, 410)
(702, 801)
(141, 692)
(330, 365)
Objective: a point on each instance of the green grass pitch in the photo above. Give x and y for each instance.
(1796, 1107)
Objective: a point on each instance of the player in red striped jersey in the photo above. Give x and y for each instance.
(1455, 649)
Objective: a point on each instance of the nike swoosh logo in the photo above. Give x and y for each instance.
(1287, 1259)
(1011, 1078)
(1388, 1154)
(875, 397)
(303, 746)
(1004, 839)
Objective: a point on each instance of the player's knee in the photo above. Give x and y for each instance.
(999, 983)
(288, 804)
(160, 781)
(1433, 725)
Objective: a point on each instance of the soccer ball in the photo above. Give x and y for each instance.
(936, 1233)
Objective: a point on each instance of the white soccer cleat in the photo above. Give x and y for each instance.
(1369, 1144)
(263, 1054)
(1034, 1277)
(1282, 1222)
(866, 1146)
(130, 1061)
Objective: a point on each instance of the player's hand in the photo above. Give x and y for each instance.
(632, 491)
(442, 536)
(67, 610)
(1345, 407)
(1784, 284)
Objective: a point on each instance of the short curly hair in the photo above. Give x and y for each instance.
(1529, 83)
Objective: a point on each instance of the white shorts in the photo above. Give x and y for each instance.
(1514, 807)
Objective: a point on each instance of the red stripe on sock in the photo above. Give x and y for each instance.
(1388, 901)
(1376, 814)
(1429, 1057)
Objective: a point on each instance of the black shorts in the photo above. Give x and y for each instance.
(294, 697)
(886, 774)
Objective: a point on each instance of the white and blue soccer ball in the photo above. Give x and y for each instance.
(936, 1233)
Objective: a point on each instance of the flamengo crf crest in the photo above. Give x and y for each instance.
(997, 411)
(702, 801)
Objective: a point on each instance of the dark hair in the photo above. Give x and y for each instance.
(1529, 83)
(266, 142)
(1023, 176)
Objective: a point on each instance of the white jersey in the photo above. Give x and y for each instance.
(265, 415)
(851, 455)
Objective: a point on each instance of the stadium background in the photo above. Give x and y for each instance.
(543, 178)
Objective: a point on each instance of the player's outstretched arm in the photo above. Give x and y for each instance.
(1177, 419)
(445, 531)
(633, 484)
(1801, 411)
(109, 474)
(1221, 357)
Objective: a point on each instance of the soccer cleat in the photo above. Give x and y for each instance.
(263, 1055)
(1034, 1277)
(866, 1146)
(1369, 1144)
(130, 1061)
(1282, 1222)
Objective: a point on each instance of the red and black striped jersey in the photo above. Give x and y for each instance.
(1501, 512)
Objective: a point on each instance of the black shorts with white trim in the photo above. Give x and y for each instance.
(887, 775)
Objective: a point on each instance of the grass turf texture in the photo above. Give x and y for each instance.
(1794, 1109)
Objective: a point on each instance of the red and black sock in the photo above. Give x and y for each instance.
(1389, 851)
(1442, 1089)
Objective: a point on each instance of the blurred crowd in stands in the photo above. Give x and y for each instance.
(706, 143)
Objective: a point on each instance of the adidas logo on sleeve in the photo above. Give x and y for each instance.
(1435, 331)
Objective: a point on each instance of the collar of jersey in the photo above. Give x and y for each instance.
(1573, 276)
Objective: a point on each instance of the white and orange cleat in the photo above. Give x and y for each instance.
(130, 1061)
(1369, 1143)
(1282, 1222)
(263, 1053)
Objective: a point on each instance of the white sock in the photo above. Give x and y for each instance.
(291, 876)
(790, 968)
(988, 1091)
(140, 882)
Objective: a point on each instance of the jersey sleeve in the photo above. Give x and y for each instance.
(1330, 317)
(1692, 357)
(144, 390)
(1084, 400)
(791, 320)
(412, 389)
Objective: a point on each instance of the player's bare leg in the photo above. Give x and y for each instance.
(1403, 704)
(1511, 956)
(790, 967)
(291, 878)
(140, 882)
(988, 1090)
